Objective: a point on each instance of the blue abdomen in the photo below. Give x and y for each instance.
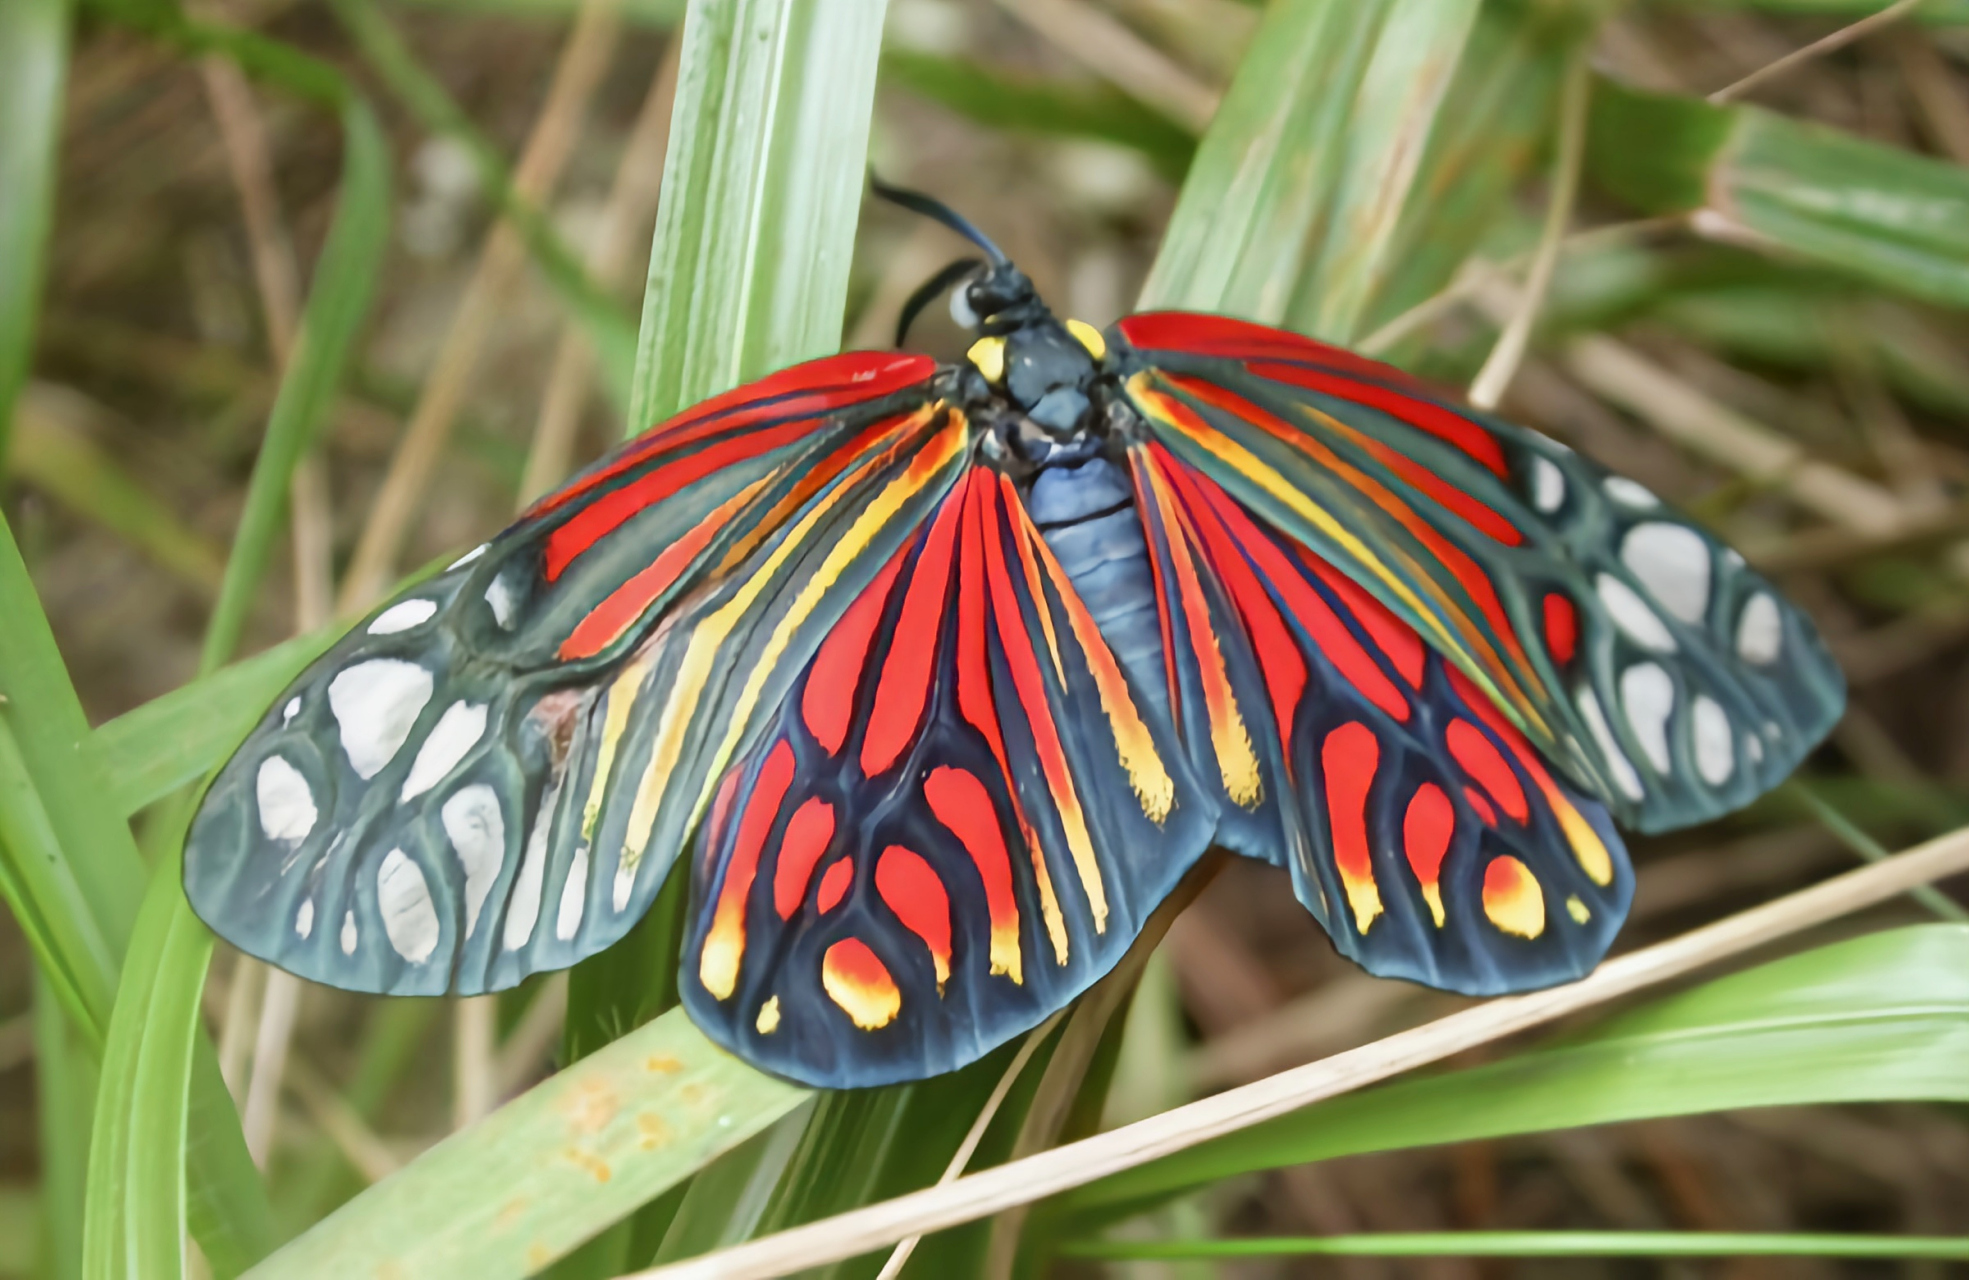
(1086, 511)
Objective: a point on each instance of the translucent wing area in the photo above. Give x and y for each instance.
(1635, 651)
(959, 818)
(481, 779)
(1419, 825)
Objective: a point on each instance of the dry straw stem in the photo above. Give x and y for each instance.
(967, 1148)
(1049, 1173)
(625, 223)
(583, 59)
(1798, 57)
(1105, 46)
(339, 1122)
(1491, 381)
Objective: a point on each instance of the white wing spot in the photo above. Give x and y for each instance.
(523, 909)
(1715, 758)
(467, 558)
(574, 896)
(1629, 494)
(625, 882)
(1753, 748)
(1623, 769)
(375, 704)
(304, 918)
(409, 919)
(477, 830)
(349, 933)
(402, 617)
(292, 709)
(1548, 485)
(1672, 562)
(287, 808)
(500, 598)
(457, 731)
(1632, 615)
(1647, 695)
(1760, 631)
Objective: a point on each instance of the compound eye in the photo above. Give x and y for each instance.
(960, 307)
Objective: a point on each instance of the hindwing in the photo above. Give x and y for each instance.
(488, 776)
(959, 818)
(1638, 654)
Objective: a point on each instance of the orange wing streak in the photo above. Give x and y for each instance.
(1142, 500)
(1587, 847)
(724, 944)
(1349, 757)
(1029, 685)
(603, 625)
(1154, 788)
(1512, 898)
(1031, 567)
(961, 803)
(1237, 761)
(912, 889)
(856, 979)
(976, 701)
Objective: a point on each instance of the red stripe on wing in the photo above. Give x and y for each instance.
(902, 690)
(808, 390)
(1424, 415)
(1195, 333)
(912, 889)
(808, 832)
(828, 705)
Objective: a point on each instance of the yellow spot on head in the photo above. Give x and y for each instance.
(1578, 910)
(989, 355)
(1512, 899)
(768, 1021)
(1090, 338)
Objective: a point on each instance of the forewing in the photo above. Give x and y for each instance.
(463, 790)
(1634, 650)
(1419, 826)
(959, 818)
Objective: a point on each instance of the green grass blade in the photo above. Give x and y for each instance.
(601, 319)
(761, 191)
(81, 475)
(136, 1201)
(172, 741)
(1539, 1244)
(548, 1170)
(1880, 1017)
(65, 1089)
(344, 279)
(1024, 104)
(33, 69)
(1884, 216)
(1392, 117)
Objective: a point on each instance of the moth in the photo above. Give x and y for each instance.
(944, 676)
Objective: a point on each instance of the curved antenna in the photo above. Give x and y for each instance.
(928, 291)
(917, 202)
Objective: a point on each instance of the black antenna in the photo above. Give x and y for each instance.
(927, 292)
(917, 202)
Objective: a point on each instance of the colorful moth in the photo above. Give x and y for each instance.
(947, 675)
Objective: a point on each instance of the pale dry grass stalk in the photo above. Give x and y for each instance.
(972, 1137)
(1817, 49)
(249, 159)
(583, 59)
(339, 1122)
(1076, 1164)
(474, 1069)
(1488, 388)
(1113, 51)
(527, 1046)
(626, 220)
